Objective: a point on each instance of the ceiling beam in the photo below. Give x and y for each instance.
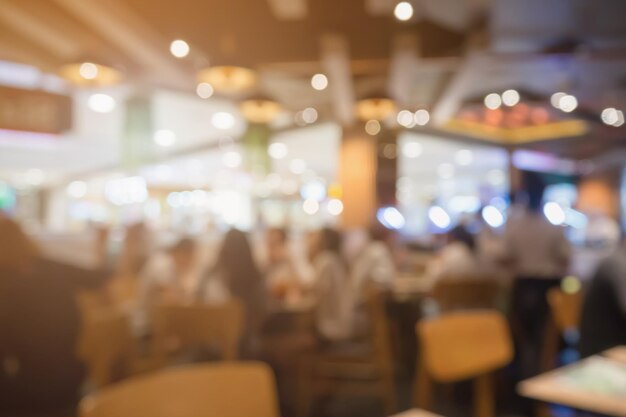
(17, 49)
(38, 31)
(115, 22)
(404, 61)
(336, 63)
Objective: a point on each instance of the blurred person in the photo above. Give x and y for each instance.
(281, 273)
(374, 263)
(603, 320)
(236, 274)
(39, 327)
(538, 254)
(457, 259)
(334, 293)
(135, 251)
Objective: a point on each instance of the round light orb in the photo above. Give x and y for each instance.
(310, 207)
(493, 101)
(412, 150)
(231, 159)
(554, 213)
(277, 150)
(555, 99)
(492, 216)
(101, 103)
(372, 127)
(464, 157)
(179, 48)
(510, 98)
(422, 117)
(297, 166)
(164, 138)
(610, 116)
(335, 207)
(620, 119)
(439, 217)
(319, 82)
(88, 71)
(403, 11)
(309, 115)
(568, 103)
(223, 120)
(405, 118)
(204, 90)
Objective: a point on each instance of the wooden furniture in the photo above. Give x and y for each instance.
(562, 386)
(565, 311)
(217, 326)
(233, 389)
(459, 346)
(353, 369)
(468, 293)
(106, 345)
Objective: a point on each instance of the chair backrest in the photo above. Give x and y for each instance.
(464, 345)
(105, 344)
(565, 308)
(228, 389)
(183, 326)
(466, 293)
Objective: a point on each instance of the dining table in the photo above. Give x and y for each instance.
(596, 384)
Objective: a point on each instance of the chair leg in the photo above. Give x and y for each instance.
(483, 397)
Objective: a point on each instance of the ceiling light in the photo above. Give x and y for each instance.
(493, 101)
(335, 207)
(101, 103)
(405, 118)
(309, 115)
(204, 90)
(179, 48)
(319, 82)
(510, 98)
(412, 149)
(555, 99)
(88, 74)
(88, 70)
(229, 79)
(620, 119)
(422, 117)
(223, 120)
(277, 150)
(372, 127)
(260, 110)
(376, 108)
(568, 103)
(164, 138)
(403, 11)
(310, 206)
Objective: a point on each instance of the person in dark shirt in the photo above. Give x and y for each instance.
(603, 321)
(40, 373)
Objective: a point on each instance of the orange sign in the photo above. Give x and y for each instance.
(34, 111)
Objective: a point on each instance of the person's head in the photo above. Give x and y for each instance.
(17, 250)
(183, 252)
(235, 258)
(462, 235)
(324, 240)
(276, 240)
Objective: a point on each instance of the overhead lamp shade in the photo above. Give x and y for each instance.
(228, 79)
(260, 110)
(89, 74)
(376, 108)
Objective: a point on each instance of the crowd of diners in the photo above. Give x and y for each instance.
(40, 320)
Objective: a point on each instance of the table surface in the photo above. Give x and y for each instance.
(565, 386)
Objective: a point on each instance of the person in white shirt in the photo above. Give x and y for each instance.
(457, 259)
(374, 263)
(335, 296)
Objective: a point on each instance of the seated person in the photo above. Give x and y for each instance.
(457, 259)
(281, 274)
(374, 264)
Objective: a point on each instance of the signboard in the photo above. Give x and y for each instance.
(34, 111)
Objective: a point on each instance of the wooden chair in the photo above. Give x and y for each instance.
(353, 369)
(468, 293)
(232, 389)
(565, 311)
(177, 327)
(460, 346)
(106, 345)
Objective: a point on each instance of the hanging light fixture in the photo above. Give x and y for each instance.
(229, 79)
(377, 107)
(89, 74)
(260, 109)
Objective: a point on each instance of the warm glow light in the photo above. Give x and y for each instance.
(297, 166)
(319, 82)
(335, 207)
(493, 101)
(403, 11)
(492, 216)
(231, 159)
(310, 206)
(571, 285)
(101, 103)
(405, 118)
(277, 150)
(309, 115)
(164, 138)
(179, 48)
(260, 110)
(568, 103)
(422, 117)
(464, 157)
(229, 79)
(223, 120)
(372, 127)
(445, 171)
(77, 189)
(376, 108)
(510, 98)
(412, 149)
(439, 217)
(204, 90)
(88, 70)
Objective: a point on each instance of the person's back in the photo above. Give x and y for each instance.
(603, 320)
